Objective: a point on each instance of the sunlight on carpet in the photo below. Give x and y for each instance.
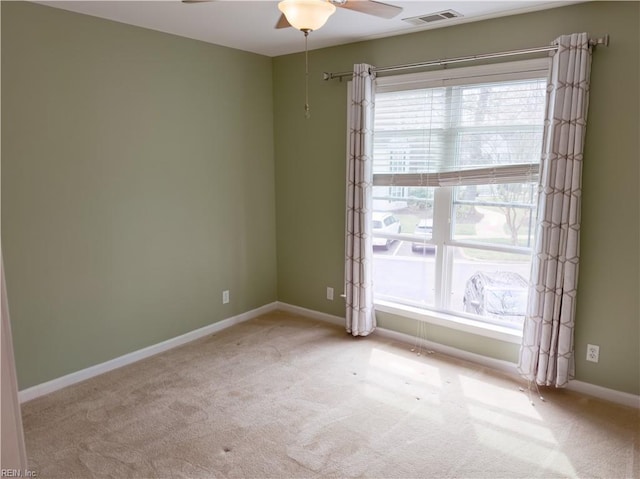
(282, 396)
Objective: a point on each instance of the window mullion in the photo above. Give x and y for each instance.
(441, 236)
(445, 264)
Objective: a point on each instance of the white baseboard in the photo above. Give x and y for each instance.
(28, 394)
(310, 313)
(73, 378)
(496, 364)
(504, 366)
(618, 397)
(599, 392)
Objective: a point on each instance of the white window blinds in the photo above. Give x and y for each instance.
(460, 131)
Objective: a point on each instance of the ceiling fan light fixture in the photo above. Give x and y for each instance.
(306, 15)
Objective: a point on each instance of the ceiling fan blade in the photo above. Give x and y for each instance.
(197, 1)
(283, 22)
(371, 7)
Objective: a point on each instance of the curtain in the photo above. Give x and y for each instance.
(547, 352)
(360, 315)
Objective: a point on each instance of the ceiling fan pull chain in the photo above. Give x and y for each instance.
(307, 108)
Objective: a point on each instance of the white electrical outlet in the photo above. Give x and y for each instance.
(329, 293)
(225, 296)
(593, 353)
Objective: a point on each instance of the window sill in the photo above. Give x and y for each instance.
(450, 321)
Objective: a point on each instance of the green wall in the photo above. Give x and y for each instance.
(132, 196)
(137, 185)
(310, 169)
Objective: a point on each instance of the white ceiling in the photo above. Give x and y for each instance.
(249, 25)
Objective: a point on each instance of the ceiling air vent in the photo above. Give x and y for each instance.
(433, 17)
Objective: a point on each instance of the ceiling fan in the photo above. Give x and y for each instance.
(370, 7)
(309, 15)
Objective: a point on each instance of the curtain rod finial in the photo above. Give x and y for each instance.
(600, 41)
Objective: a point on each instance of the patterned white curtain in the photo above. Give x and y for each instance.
(547, 352)
(360, 314)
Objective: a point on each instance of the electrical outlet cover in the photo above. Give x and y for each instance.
(593, 353)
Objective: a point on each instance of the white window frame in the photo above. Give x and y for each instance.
(509, 71)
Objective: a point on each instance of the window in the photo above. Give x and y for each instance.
(456, 156)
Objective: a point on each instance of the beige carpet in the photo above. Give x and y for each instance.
(288, 397)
